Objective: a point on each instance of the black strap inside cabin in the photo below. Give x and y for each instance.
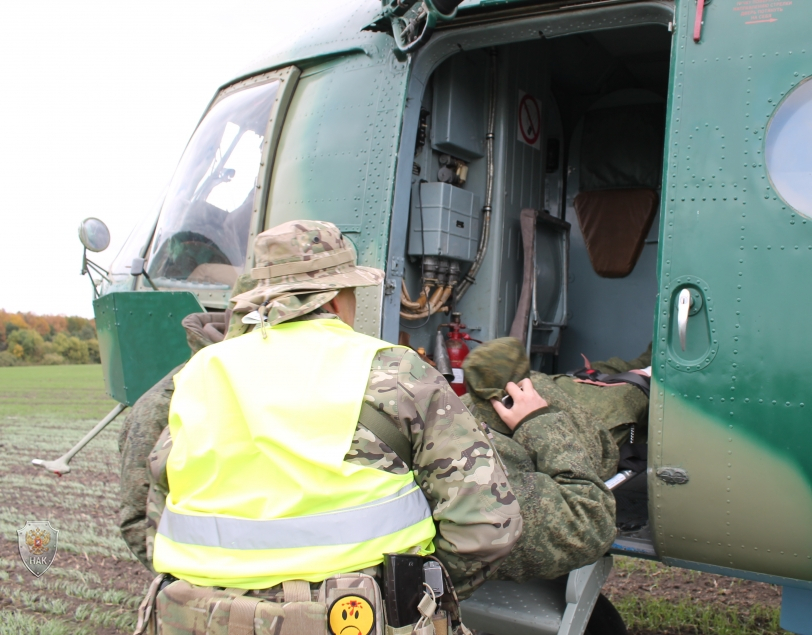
(642, 382)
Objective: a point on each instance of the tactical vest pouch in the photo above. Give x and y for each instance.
(439, 623)
(349, 597)
(181, 608)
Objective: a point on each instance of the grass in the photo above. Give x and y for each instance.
(660, 615)
(94, 585)
(64, 392)
(656, 599)
(82, 505)
(14, 623)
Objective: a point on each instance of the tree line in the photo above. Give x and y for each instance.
(27, 339)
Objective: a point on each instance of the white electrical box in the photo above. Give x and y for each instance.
(444, 222)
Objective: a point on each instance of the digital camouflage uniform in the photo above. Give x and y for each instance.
(557, 460)
(617, 406)
(476, 514)
(141, 429)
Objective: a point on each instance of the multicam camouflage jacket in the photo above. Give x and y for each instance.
(568, 512)
(475, 511)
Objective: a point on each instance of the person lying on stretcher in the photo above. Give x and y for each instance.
(559, 443)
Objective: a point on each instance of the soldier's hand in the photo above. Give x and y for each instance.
(526, 401)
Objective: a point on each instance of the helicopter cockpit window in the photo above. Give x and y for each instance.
(789, 149)
(202, 233)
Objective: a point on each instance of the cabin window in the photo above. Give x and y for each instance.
(789, 149)
(202, 233)
(136, 244)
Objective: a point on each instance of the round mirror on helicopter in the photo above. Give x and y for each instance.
(789, 138)
(94, 234)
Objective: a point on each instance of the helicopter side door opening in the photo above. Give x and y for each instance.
(535, 189)
(576, 125)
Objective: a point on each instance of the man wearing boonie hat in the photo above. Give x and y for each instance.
(301, 267)
(302, 449)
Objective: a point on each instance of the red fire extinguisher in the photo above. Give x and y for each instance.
(457, 351)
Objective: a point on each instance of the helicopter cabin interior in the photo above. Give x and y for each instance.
(578, 124)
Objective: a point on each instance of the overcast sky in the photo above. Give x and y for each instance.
(98, 101)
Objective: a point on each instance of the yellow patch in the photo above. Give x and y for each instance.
(351, 615)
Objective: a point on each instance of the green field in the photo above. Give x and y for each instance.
(95, 584)
(53, 392)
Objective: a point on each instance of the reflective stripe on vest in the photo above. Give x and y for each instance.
(259, 491)
(356, 524)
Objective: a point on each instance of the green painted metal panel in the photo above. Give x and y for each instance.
(141, 339)
(733, 408)
(337, 32)
(337, 154)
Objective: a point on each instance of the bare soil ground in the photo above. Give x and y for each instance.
(661, 600)
(681, 584)
(97, 595)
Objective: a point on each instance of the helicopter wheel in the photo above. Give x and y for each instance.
(605, 620)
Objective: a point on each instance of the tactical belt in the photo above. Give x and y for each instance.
(590, 374)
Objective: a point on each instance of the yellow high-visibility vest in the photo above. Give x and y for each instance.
(259, 491)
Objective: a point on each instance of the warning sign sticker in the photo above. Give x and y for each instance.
(529, 120)
(760, 11)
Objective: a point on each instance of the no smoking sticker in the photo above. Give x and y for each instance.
(529, 120)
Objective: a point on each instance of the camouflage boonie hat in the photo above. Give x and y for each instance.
(301, 265)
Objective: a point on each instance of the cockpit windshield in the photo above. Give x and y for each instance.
(202, 233)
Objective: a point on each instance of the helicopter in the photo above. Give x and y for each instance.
(587, 175)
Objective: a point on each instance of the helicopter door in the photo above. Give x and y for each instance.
(730, 482)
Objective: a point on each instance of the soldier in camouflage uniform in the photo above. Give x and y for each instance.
(556, 458)
(475, 512)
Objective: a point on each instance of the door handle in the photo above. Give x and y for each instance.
(683, 307)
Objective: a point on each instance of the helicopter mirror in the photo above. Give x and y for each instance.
(94, 234)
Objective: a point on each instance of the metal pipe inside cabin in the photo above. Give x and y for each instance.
(437, 304)
(484, 237)
(441, 359)
(407, 302)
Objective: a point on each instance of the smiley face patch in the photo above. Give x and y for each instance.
(351, 615)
